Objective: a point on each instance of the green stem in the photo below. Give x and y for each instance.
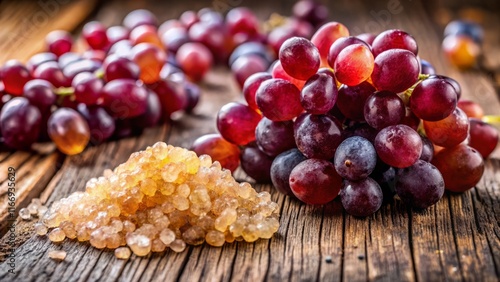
(64, 91)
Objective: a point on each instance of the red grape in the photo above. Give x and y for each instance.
(310, 11)
(362, 198)
(299, 58)
(394, 39)
(274, 137)
(354, 64)
(340, 44)
(20, 123)
(281, 168)
(483, 137)
(317, 136)
(351, 100)
(279, 99)
(139, 17)
(116, 67)
(172, 96)
(256, 164)
(95, 35)
(398, 145)
(433, 99)
(145, 34)
(195, 60)
(247, 65)
(471, 108)
(251, 85)
(319, 94)
(87, 88)
(325, 36)
(226, 153)
(384, 108)
(40, 93)
(279, 72)
(123, 98)
(237, 122)
(14, 77)
(395, 70)
(242, 20)
(117, 33)
(39, 59)
(59, 42)
(51, 71)
(450, 131)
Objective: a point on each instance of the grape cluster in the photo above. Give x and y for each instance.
(362, 117)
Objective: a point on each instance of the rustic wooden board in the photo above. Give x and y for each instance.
(457, 239)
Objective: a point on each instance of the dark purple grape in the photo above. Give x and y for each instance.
(362, 198)
(281, 168)
(355, 158)
(384, 108)
(387, 182)
(317, 136)
(101, 124)
(274, 137)
(87, 88)
(426, 67)
(123, 98)
(20, 123)
(256, 164)
(351, 100)
(395, 70)
(118, 67)
(361, 129)
(152, 115)
(451, 81)
(427, 149)
(40, 93)
(319, 94)
(420, 185)
(433, 99)
(193, 94)
(398, 145)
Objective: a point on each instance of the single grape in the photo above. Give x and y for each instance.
(247, 65)
(279, 100)
(188, 18)
(150, 60)
(242, 20)
(394, 39)
(354, 64)
(319, 94)
(116, 67)
(145, 34)
(39, 59)
(433, 99)
(426, 67)
(124, 98)
(101, 124)
(483, 137)
(20, 123)
(174, 38)
(427, 149)
(450, 131)
(152, 115)
(95, 34)
(299, 58)
(219, 149)
(281, 168)
(362, 198)
(461, 166)
(340, 44)
(237, 122)
(14, 76)
(215, 37)
(351, 100)
(315, 182)
(355, 158)
(87, 88)
(169, 24)
(461, 51)
(256, 164)
(395, 70)
(193, 94)
(398, 145)
(310, 11)
(274, 137)
(420, 185)
(40, 93)
(195, 60)
(384, 108)
(172, 96)
(117, 33)
(317, 136)
(325, 36)
(451, 81)
(52, 72)
(68, 130)
(471, 108)
(139, 17)
(59, 42)
(252, 48)
(251, 85)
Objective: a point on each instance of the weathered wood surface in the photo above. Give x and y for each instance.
(457, 239)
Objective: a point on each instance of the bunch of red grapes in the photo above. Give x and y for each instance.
(360, 117)
(132, 76)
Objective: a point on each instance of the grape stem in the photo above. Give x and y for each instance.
(421, 77)
(64, 91)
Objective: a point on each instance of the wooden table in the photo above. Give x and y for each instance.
(457, 239)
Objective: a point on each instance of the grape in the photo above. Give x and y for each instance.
(195, 60)
(398, 145)
(420, 185)
(450, 131)
(410, 119)
(310, 11)
(394, 39)
(68, 130)
(145, 34)
(451, 81)
(188, 18)
(317, 136)
(354, 64)
(361, 198)
(214, 36)
(426, 67)
(226, 153)
(193, 94)
(483, 137)
(247, 65)
(367, 37)
(278, 35)
(461, 51)
(172, 96)
(101, 124)
(433, 99)
(117, 33)
(461, 167)
(395, 70)
(351, 100)
(39, 59)
(174, 38)
(77, 67)
(237, 122)
(278, 72)
(40, 93)
(51, 71)
(315, 182)
(59, 42)
(116, 67)
(87, 88)
(68, 58)
(279, 100)
(274, 137)
(252, 48)
(281, 168)
(361, 129)
(242, 20)
(355, 158)
(169, 24)
(251, 85)
(123, 98)
(14, 76)
(150, 60)
(427, 149)
(471, 108)
(152, 115)
(299, 58)
(384, 108)
(95, 35)
(20, 123)
(319, 94)
(325, 36)
(139, 17)
(208, 15)
(256, 164)
(466, 28)
(339, 45)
